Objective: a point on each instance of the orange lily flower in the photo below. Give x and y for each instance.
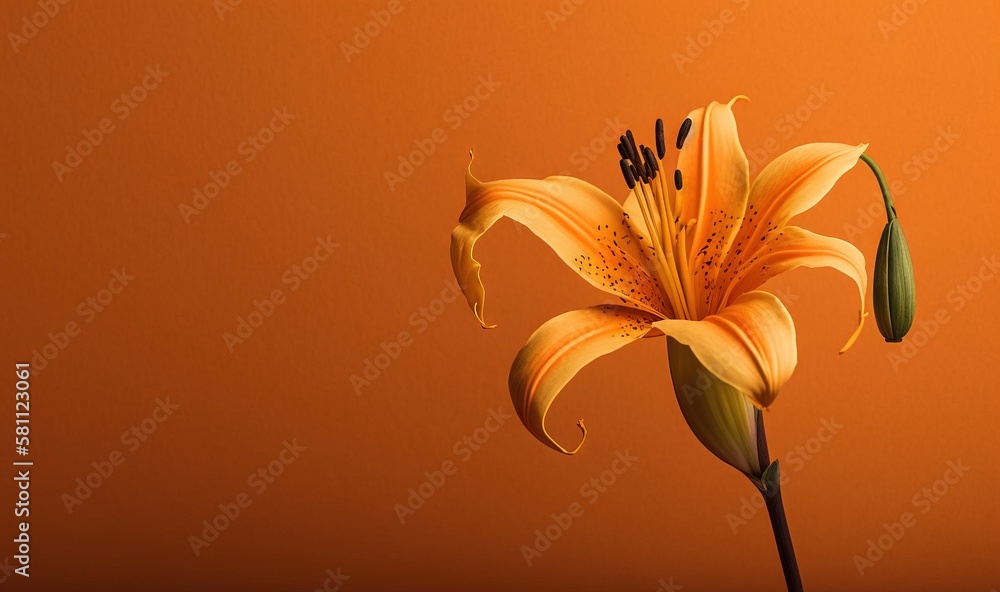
(685, 256)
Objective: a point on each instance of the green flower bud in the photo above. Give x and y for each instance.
(894, 291)
(722, 417)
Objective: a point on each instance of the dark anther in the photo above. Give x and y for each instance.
(636, 155)
(650, 162)
(682, 134)
(629, 145)
(638, 172)
(661, 143)
(623, 150)
(627, 173)
(678, 180)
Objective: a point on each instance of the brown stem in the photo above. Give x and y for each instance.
(776, 511)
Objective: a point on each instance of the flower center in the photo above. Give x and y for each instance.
(668, 235)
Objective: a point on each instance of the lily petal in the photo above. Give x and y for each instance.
(716, 184)
(749, 345)
(791, 184)
(794, 247)
(559, 349)
(584, 226)
(636, 221)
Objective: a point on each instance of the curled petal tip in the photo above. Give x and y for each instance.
(583, 429)
(736, 98)
(854, 336)
(479, 317)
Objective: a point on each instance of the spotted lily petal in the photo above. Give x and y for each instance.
(791, 184)
(559, 349)
(796, 247)
(716, 181)
(749, 345)
(584, 226)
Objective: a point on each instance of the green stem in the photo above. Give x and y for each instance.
(776, 511)
(890, 209)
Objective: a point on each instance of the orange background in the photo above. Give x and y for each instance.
(558, 82)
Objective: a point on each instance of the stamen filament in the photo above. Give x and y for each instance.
(669, 245)
(672, 291)
(641, 167)
(685, 272)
